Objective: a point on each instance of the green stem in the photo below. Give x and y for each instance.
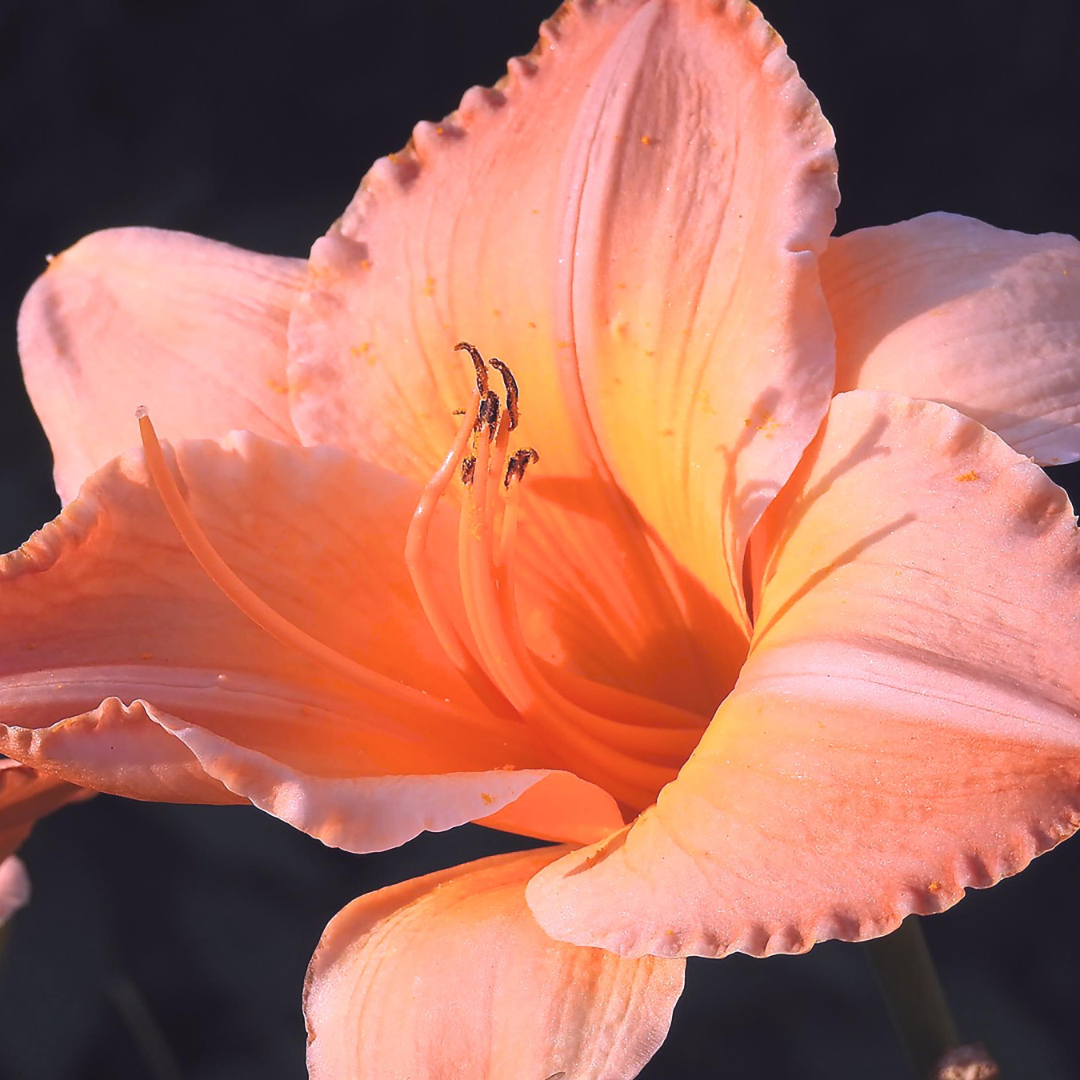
(144, 1029)
(912, 991)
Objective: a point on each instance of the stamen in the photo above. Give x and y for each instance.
(489, 413)
(515, 467)
(490, 609)
(253, 606)
(415, 551)
(512, 393)
(478, 364)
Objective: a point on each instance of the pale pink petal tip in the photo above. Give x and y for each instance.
(983, 319)
(14, 887)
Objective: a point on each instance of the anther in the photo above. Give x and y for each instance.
(511, 390)
(488, 414)
(518, 462)
(478, 363)
(468, 470)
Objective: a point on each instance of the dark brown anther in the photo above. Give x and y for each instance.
(478, 363)
(511, 390)
(488, 414)
(468, 470)
(518, 462)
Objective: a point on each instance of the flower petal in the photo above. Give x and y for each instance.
(448, 975)
(982, 319)
(192, 328)
(629, 221)
(374, 813)
(107, 606)
(906, 725)
(14, 887)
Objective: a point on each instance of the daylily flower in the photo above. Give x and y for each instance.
(776, 638)
(26, 794)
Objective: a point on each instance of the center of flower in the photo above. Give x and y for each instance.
(627, 744)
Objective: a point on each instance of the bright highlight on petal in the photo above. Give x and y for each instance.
(449, 976)
(982, 319)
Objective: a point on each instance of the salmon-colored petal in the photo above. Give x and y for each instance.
(448, 976)
(983, 319)
(703, 343)
(374, 813)
(629, 221)
(192, 328)
(907, 723)
(14, 887)
(106, 606)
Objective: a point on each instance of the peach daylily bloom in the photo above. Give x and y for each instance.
(26, 794)
(777, 639)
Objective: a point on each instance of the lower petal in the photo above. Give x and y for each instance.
(375, 813)
(906, 726)
(125, 669)
(449, 976)
(951, 309)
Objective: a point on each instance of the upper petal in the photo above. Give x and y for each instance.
(192, 328)
(125, 669)
(982, 319)
(906, 726)
(629, 220)
(448, 976)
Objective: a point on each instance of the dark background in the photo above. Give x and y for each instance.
(253, 122)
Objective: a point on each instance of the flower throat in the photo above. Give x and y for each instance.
(629, 745)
